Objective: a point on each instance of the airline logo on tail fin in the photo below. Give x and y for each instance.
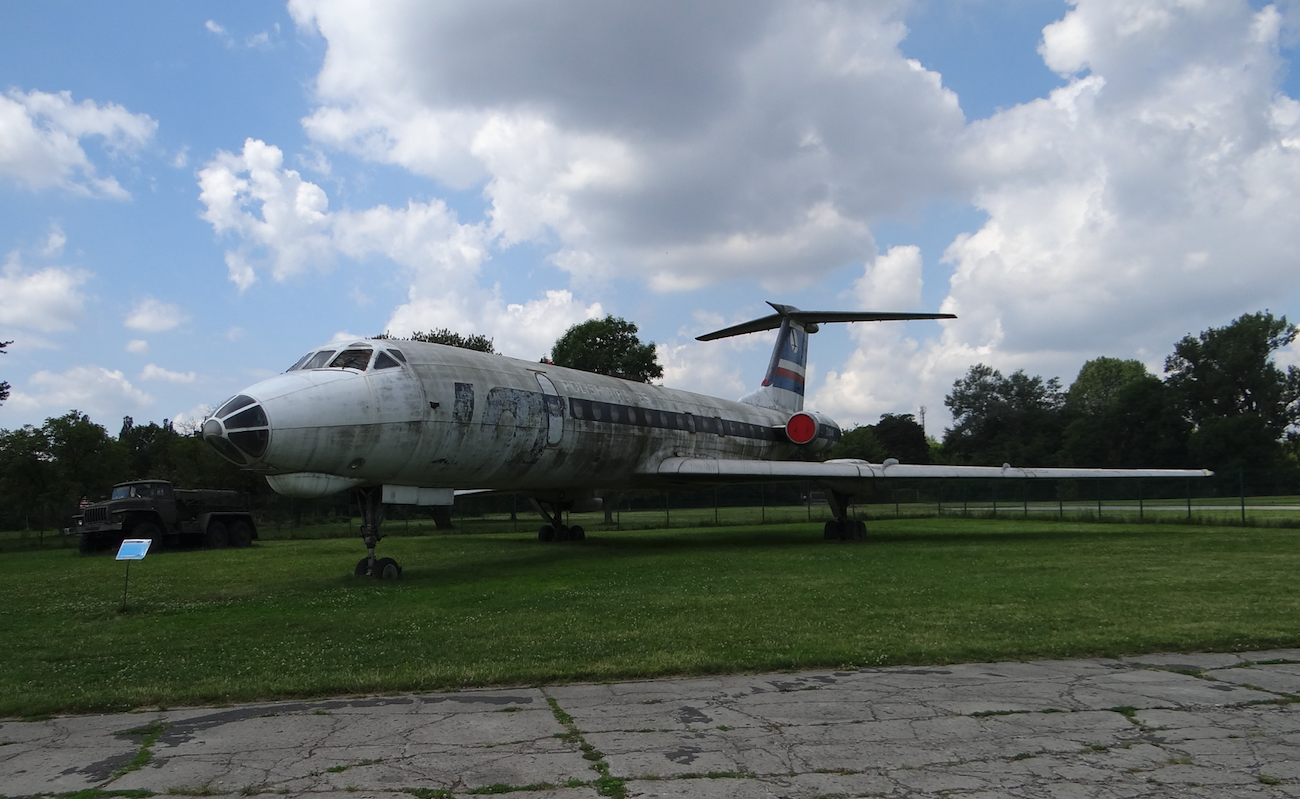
(783, 386)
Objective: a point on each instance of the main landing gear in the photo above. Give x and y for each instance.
(842, 528)
(555, 529)
(372, 516)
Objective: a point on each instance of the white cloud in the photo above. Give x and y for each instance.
(45, 300)
(152, 316)
(152, 372)
(138, 346)
(40, 140)
(521, 330)
(685, 145)
(91, 389)
(54, 242)
(1156, 194)
(285, 225)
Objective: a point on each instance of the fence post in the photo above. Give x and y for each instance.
(667, 518)
(762, 501)
(1024, 484)
(963, 500)
(1189, 500)
(715, 506)
(1241, 487)
(1099, 498)
(995, 499)
(1141, 504)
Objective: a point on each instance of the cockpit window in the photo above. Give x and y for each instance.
(298, 364)
(398, 355)
(241, 401)
(385, 361)
(319, 360)
(253, 417)
(352, 359)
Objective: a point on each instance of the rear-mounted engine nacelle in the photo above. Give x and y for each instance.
(812, 431)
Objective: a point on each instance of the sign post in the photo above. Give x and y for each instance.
(131, 549)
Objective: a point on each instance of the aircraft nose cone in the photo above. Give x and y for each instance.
(239, 431)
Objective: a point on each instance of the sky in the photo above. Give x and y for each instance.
(193, 195)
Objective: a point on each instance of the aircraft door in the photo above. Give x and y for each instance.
(554, 410)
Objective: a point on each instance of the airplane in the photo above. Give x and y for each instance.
(411, 423)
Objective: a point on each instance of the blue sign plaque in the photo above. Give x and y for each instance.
(133, 549)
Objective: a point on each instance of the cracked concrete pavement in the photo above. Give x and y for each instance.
(1197, 725)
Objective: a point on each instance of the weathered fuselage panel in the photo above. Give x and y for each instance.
(451, 418)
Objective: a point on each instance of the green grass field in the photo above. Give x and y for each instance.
(286, 619)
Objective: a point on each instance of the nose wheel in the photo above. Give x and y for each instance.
(372, 517)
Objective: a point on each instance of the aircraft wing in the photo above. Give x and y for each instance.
(706, 470)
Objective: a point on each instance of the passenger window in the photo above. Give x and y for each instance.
(385, 361)
(319, 360)
(351, 359)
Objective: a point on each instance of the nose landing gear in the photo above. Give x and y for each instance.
(372, 517)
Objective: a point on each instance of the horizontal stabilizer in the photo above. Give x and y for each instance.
(815, 317)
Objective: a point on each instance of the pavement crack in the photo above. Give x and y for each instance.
(605, 783)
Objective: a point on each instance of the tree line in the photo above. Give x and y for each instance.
(1223, 404)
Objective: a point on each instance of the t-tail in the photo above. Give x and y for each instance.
(783, 385)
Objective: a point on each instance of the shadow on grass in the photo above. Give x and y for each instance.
(506, 556)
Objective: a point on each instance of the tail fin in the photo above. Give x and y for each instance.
(783, 385)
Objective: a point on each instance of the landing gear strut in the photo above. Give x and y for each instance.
(555, 529)
(372, 516)
(842, 528)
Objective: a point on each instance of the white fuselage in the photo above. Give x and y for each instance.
(452, 418)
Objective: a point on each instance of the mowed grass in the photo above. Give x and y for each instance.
(287, 619)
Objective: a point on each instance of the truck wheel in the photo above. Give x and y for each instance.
(216, 537)
(150, 531)
(88, 544)
(241, 535)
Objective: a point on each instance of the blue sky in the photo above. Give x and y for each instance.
(192, 195)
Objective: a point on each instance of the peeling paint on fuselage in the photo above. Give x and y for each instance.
(454, 418)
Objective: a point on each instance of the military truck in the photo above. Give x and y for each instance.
(155, 510)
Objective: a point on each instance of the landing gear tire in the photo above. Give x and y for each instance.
(859, 529)
(547, 533)
(217, 537)
(240, 535)
(831, 532)
(362, 569)
(576, 533)
(387, 569)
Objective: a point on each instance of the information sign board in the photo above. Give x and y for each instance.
(133, 549)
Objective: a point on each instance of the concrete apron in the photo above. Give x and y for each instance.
(1211, 725)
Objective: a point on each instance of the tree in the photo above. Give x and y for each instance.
(4, 384)
(860, 443)
(1016, 419)
(1228, 387)
(444, 335)
(607, 346)
(1139, 426)
(903, 438)
(1099, 381)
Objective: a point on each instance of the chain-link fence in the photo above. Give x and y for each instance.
(1250, 497)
